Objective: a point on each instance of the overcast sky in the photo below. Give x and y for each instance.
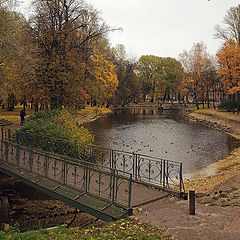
(163, 27)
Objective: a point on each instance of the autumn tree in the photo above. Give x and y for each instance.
(231, 27)
(102, 82)
(129, 86)
(11, 54)
(229, 65)
(64, 32)
(195, 62)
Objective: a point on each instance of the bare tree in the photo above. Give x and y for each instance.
(231, 27)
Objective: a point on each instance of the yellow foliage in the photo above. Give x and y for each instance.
(104, 75)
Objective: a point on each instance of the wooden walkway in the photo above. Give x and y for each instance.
(106, 197)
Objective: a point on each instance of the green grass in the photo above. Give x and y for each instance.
(217, 116)
(122, 229)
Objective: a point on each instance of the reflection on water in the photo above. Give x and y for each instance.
(162, 134)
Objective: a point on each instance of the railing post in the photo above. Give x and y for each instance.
(30, 160)
(113, 161)
(17, 137)
(46, 166)
(113, 184)
(135, 166)
(17, 155)
(9, 135)
(130, 192)
(149, 170)
(180, 178)
(164, 166)
(64, 171)
(167, 175)
(6, 151)
(99, 182)
(86, 177)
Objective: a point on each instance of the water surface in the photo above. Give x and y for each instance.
(164, 135)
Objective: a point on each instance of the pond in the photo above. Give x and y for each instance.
(162, 134)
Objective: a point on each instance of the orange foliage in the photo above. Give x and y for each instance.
(229, 62)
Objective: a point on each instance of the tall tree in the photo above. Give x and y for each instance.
(11, 54)
(102, 82)
(64, 31)
(160, 76)
(231, 27)
(151, 71)
(195, 63)
(129, 86)
(229, 62)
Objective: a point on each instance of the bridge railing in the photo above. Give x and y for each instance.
(89, 178)
(144, 169)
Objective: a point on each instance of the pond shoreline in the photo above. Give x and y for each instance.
(227, 170)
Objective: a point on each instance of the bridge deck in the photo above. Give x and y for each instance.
(88, 203)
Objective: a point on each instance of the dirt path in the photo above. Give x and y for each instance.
(209, 223)
(217, 201)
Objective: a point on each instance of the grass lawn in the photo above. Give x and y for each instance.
(123, 229)
(87, 112)
(14, 115)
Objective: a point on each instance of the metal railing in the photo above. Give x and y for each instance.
(107, 183)
(144, 169)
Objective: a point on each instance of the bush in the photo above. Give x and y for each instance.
(55, 131)
(226, 105)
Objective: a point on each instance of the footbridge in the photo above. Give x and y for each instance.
(105, 183)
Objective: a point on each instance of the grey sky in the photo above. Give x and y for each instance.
(163, 27)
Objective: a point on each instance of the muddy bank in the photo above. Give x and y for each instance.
(91, 114)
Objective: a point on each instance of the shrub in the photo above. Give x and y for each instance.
(55, 131)
(226, 105)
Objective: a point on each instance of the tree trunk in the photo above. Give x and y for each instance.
(36, 107)
(203, 99)
(196, 100)
(208, 104)
(214, 106)
(238, 105)
(233, 97)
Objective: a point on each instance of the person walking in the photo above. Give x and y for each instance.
(22, 116)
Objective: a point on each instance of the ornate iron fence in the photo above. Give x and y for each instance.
(107, 183)
(144, 169)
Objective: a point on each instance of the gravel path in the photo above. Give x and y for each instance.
(209, 223)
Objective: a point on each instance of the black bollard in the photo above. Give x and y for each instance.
(191, 200)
